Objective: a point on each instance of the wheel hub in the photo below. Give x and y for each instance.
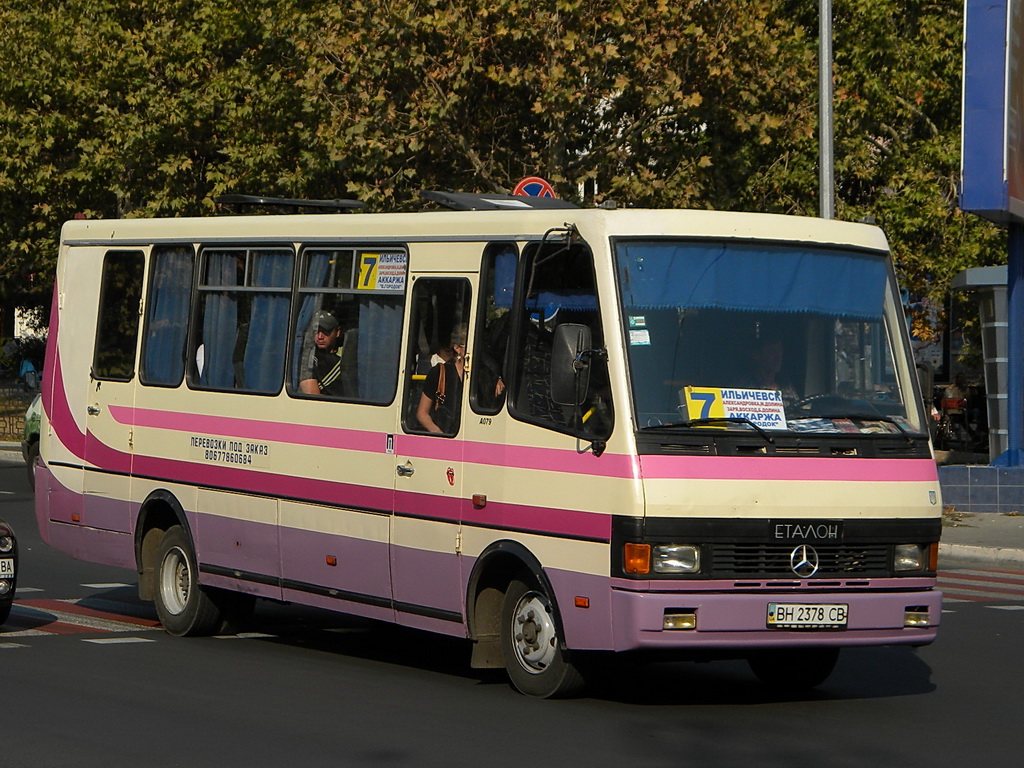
(534, 633)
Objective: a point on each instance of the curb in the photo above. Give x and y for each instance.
(986, 554)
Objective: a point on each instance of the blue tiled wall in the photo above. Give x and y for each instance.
(983, 488)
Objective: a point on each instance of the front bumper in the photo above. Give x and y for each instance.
(733, 620)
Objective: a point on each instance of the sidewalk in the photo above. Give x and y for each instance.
(987, 536)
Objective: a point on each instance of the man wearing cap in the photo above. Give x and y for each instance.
(321, 374)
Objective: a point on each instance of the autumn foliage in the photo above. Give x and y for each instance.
(154, 107)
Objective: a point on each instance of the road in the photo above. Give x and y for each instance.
(88, 679)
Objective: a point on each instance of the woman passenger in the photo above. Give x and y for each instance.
(441, 400)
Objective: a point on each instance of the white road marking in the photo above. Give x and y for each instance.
(111, 585)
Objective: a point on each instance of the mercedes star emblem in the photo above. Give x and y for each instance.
(804, 561)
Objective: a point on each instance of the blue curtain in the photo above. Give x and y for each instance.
(263, 363)
(220, 322)
(163, 351)
(750, 277)
(317, 268)
(380, 338)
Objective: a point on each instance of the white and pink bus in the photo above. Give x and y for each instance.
(553, 431)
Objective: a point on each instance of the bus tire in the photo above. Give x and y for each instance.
(793, 670)
(535, 659)
(183, 606)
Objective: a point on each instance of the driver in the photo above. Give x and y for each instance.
(767, 358)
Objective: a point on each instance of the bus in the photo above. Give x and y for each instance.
(672, 434)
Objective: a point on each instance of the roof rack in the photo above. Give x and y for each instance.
(464, 201)
(324, 205)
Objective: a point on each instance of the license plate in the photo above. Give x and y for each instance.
(807, 616)
(7, 568)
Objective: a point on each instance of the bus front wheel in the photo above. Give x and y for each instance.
(183, 606)
(536, 662)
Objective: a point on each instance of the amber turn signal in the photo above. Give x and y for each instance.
(637, 558)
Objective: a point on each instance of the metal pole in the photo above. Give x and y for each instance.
(826, 163)
(1014, 456)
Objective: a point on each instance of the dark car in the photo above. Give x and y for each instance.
(8, 569)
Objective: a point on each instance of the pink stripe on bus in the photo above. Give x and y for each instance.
(299, 434)
(416, 446)
(546, 459)
(788, 468)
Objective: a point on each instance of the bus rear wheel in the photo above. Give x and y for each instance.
(535, 659)
(793, 670)
(183, 606)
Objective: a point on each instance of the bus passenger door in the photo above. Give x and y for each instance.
(111, 398)
(426, 525)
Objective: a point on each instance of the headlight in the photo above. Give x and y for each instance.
(675, 558)
(910, 557)
(6, 543)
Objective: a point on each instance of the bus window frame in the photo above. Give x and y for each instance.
(516, 351)
(101, 313)
(192, 375)
(300, 289)
(150, 303)
(487, 271)
(410, 377)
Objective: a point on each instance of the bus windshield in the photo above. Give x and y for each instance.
(739, 335)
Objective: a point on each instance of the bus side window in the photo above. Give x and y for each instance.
(497, 286)
(347, 332)
(167, 311)
(117, 326)
(557, 287)
(242, 318)
(436, 355)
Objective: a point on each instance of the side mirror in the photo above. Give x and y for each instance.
(570, 372)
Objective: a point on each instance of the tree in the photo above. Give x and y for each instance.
(663, 104)
(111, 108)
(645, 99)
(117, 108)
(898, 96)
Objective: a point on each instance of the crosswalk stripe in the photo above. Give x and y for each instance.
(1001, 585)
(60, 617)
(977, 577)
(73, 606)
(986, 588)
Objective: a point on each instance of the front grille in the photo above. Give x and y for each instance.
(773, 561)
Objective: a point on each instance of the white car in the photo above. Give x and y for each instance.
(30, 438)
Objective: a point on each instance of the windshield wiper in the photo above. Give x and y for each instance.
(715, 420)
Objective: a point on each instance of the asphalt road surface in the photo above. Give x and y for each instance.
(87, 678)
